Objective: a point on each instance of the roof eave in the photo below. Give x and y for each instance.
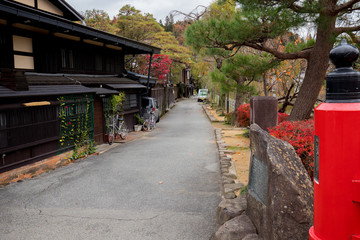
(38, 16)
(76, 14)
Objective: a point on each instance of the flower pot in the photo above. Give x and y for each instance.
(137, 128)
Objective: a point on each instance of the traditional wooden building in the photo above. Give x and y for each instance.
(187, 82)
(55, 77)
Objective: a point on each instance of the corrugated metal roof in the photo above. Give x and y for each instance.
(104, 91)
(104, 80)
(49, 80)
(45, 90)
(67, 79)
(126, 86)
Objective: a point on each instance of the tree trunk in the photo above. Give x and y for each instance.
(239, 99)
(222, 102)
(316, 67)
(265, 84)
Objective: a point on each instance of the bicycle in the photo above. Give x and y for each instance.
(117, 127)
(149, 123)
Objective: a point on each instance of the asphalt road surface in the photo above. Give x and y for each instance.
(164, 185)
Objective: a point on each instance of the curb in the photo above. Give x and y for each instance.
(229, 181)
(211, 118)
(231, 218)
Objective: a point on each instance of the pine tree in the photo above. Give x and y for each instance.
(257, 22)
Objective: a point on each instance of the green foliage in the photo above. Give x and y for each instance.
(90, 148)
(250, 66)
(134, 24)
(83, 150)
(258, 24)
(76, 121)
(216, 35)
(246, 133)
(243, 190)
(181, 87)
(98, 19)
(139, 119)
(253, 23)
(229, 117)
(76, 154)
(169, 23)
(235, 148)
(291, 47)
(116, 102)
(131, 23)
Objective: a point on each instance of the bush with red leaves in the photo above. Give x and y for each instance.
(243, 115)
(300, 135)
(282, 117)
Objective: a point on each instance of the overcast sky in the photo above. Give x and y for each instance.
(159, 8)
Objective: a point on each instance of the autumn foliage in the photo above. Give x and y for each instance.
(160, 66)
(243, 115)
(282, 117)
(300, 135)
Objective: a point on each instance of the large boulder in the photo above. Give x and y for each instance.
(235, 229)
(280, 191)
(230, 208)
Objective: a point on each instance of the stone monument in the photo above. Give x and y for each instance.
(280, 191)
(263, 111)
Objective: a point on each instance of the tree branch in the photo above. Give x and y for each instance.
(345, 5)
(295, 7)
(195, 14)
(291, 98)
(354, 38)
(281, 55)
(340, 30)
(348, 11)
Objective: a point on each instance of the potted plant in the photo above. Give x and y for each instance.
(140, 122)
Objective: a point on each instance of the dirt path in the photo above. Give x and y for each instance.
(237, 142)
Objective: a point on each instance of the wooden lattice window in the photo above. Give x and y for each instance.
(28, 125)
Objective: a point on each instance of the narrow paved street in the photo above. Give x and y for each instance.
(162, 186)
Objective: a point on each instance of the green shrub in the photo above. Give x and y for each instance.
(229, 117)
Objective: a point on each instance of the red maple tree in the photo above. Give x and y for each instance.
(160, 66)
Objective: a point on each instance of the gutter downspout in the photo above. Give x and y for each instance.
(148, 80)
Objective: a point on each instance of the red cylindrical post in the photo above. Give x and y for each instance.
(336, 206)
(337, 152)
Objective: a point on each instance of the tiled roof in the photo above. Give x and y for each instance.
(68, 79)
(126, 86)
(45, 90)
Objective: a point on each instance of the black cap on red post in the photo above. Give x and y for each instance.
(343, 84)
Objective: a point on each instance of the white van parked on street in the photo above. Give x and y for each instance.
(203, 95)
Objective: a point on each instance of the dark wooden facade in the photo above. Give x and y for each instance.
(99, 121)
(46, 57)
(187, 83)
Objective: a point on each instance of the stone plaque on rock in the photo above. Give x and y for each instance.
(286, 210)
(258, 184)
